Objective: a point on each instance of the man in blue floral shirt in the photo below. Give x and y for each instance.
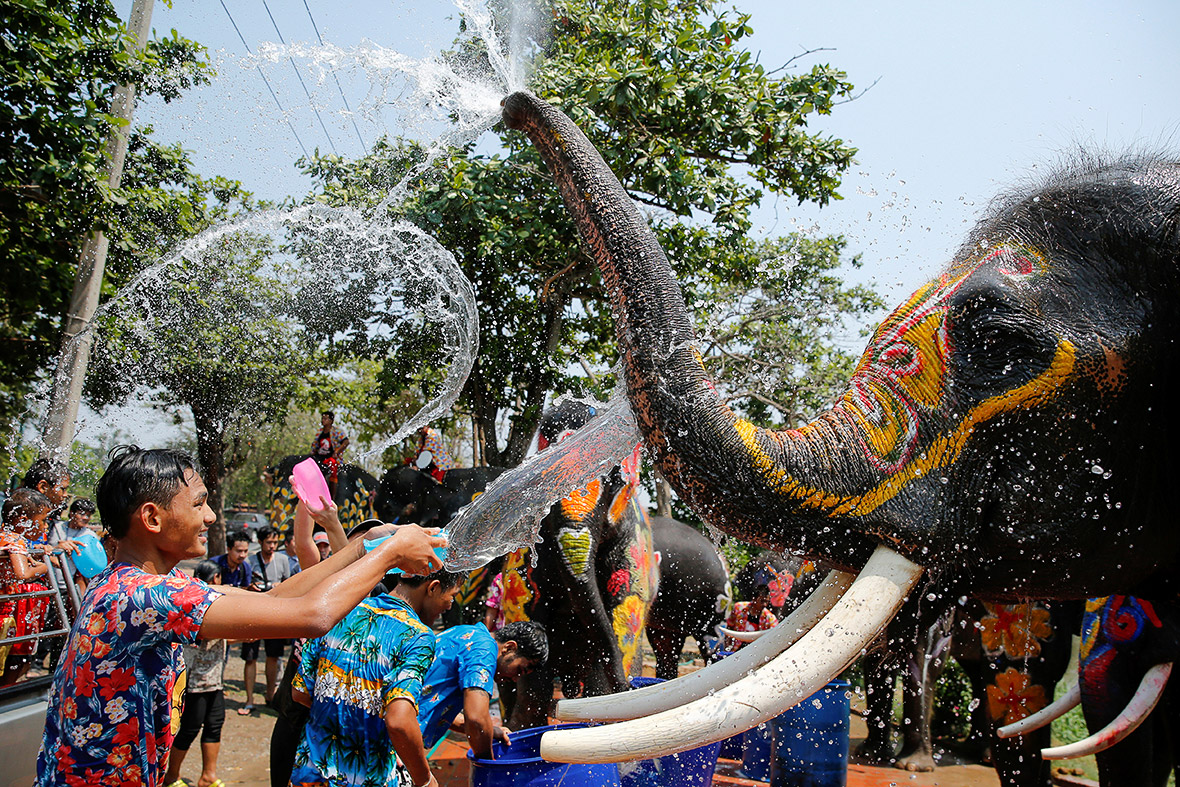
(362, 681)
(114, 706)
(467, 660)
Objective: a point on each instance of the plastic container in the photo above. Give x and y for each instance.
(308, 482)
(811, 741)
(371, 544)
(92, 558)
(520, 765)
(757, 744)
(692, 768)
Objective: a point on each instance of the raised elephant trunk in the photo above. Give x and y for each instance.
(793, 482)
(704, 450)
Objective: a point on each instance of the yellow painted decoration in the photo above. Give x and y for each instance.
(575, 548)
(942, 452)
(628, 619)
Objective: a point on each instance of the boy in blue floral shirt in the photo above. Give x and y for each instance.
(362, 681)
(115, 702)
(467, 660)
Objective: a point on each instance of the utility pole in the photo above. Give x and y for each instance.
(75, 346)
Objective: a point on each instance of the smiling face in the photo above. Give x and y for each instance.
(184, 523)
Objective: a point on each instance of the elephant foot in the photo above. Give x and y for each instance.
(874, 752)
(915, 762)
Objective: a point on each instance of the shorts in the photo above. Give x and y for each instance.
(275, 648)
(204, 711)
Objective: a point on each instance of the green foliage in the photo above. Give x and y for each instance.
(59, 65)
(692, 125)
(953, 700)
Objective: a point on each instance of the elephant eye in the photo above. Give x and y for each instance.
(995, 345)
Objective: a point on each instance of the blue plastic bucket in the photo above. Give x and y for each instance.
(92, 558)
(520, 765)
(692, 768)
(757, 743)
(811, 741)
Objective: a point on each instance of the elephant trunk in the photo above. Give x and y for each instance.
(809, 475)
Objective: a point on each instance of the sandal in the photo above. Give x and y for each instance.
(245, 710)
(179, 783)
(215, 783)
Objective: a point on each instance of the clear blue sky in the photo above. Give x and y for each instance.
(968, 97)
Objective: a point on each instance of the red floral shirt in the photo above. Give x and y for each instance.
(116, 698)
(739, 620)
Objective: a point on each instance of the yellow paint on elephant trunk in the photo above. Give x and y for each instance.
(942, 452)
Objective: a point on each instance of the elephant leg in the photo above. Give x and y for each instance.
(667, 646)
(924, 663)
(879, 672)
(533, 701)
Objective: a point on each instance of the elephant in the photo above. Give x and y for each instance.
(1006, 435)
(408, 494)
(694, 593)
(355, 488)
(1013, 654)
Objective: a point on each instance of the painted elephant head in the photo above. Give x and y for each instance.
(1009, 427)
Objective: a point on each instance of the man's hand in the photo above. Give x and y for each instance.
(501, 734)
(412, 550)
(69, 546)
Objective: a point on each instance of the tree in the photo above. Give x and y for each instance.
(59, 66)
(680, 111)
(211, 332)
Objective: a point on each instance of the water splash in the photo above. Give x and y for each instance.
(508, 514)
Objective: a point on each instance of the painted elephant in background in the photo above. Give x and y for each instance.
(694, 596)
(409, 495)
(1009, 432)
(355, 489)
(1013, 654)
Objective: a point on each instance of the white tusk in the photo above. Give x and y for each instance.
(820, 654)
(683, 690)
(1151, 688)
(1067, 702)
(743, 636)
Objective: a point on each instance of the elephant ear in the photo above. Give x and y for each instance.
(508, 515)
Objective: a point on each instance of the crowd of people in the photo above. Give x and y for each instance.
(369, 685)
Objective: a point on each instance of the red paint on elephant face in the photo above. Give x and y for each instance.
(902, 376)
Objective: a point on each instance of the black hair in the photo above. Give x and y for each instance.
(46, 470)
(330, 414)
(267, 531)
(136, 476)
(447, 579)
(82, 505)
(206, 570)
(234, 536)
(532, 642)
(23, 503)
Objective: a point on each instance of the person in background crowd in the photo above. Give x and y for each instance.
(51, 479)
(322, 544)
(81, 510)
(362, 681)
(457, 690)
(235, 569)
(204, 700)
(269, 569)
(752, 615)
(328, 447)
(24, 514)
(115, 699)
(289, 550)
(432, 455)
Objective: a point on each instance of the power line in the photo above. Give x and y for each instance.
(299, 76)
(351, 117)
(282, 111)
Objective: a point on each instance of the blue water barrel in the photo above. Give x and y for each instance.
(811, 741)
(520, 765)
(692, 768)
(757, 743)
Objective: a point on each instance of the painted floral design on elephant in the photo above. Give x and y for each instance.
(1014, 696)
(1014, 630)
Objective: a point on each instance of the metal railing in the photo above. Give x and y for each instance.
(54, 591)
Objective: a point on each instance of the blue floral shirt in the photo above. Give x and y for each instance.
(465, 658)
(115, 702)
(379, 653)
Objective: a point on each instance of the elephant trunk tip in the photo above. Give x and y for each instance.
(515, 108)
